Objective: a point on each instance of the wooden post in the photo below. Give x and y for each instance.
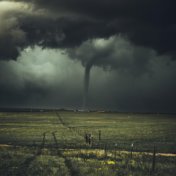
(115, 150)
(132, 150)
(99, 135)
(56, 143)
(78, 155)
(154, 159)
(42, 144)
(105, 150)
(43, 141)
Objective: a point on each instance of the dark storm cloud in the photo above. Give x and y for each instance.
(119, 39)
(114, 53)
(148, 23)
(66, 23)
(22, 25)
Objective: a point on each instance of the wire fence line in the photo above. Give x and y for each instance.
(99, 140)
(95, 144)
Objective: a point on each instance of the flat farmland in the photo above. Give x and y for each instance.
(53, 143)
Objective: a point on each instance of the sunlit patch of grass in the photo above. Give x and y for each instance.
(110, 162)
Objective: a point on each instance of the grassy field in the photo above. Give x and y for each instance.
(53, 143)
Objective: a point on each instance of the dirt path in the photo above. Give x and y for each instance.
(74, 129)
(68, 163)
(22, 170)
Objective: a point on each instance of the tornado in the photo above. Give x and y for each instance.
(86, 83)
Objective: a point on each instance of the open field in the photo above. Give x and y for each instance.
(53, 143)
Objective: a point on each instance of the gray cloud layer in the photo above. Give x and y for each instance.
(34, 80)
(67, 23)
(130, 46)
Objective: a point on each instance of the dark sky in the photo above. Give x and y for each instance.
(123, 51)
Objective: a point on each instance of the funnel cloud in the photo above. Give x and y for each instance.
(86, 82)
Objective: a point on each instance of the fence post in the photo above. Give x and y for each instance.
(154, 159)
(43, 141)
(42, 144)
(132, 145)
(105, 150)
(99, 135)
(115, 150)
(56, 143)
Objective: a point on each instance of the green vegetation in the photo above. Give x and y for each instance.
(50, 143)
